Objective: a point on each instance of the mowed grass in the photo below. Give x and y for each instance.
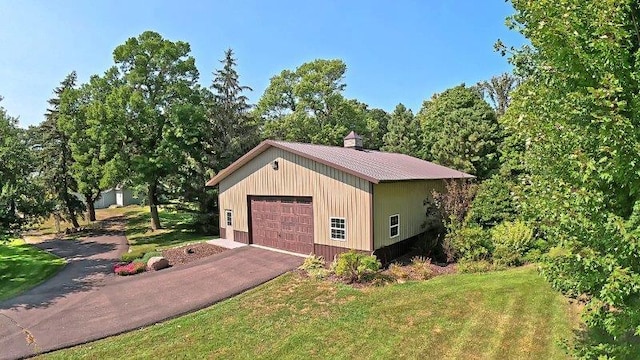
(176, 229)
(502, 315)
(24, 266)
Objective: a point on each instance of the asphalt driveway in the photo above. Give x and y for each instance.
(86, 302)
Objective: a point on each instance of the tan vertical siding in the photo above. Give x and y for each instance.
(405, 198)
(334, 193)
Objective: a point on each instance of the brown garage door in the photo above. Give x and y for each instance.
(282, 222)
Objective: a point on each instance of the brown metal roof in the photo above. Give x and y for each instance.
(371, 165)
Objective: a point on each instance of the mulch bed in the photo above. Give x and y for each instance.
(188, 253)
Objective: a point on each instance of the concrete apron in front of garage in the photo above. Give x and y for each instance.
(230, 244)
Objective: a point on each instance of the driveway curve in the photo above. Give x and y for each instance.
(85, 301)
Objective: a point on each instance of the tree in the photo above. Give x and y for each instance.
(307, 105)
(236, 129)
(54, 156)
(578, 118)
(499, 89)
(158, 118)
(460, 130)
(22, 199)
(83, 114)
(377, 122)
(403, 132)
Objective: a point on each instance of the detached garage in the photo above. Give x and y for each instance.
(326, 200)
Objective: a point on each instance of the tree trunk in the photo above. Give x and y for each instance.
(91, 210)
(153, 206)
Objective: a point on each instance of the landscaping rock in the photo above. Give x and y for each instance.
(189, 251)
(157, 263)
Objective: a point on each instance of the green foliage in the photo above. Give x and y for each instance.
(577, 117)
(460, 130)
(511, 242)
(470, 243)
(307, 105)
(499, 89)
(313, 262)
(493, 203)
(157, 114)
(54, 155)
(403, 132)
(22, 194)
(356, 267)
(477, 266)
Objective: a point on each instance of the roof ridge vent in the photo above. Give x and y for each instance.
(353, 141)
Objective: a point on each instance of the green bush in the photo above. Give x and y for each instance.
(313, 262)
(356, 267)
(421, 266)
(149, 255)
(470, 243)
(511, 241)
(493, 203)
(473, 266)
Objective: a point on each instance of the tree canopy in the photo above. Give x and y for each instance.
(307, 105)
(460, 130)
(578, 119)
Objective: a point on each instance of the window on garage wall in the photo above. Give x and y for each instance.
(338, 227)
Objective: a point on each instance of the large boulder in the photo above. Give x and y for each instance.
(157, 263)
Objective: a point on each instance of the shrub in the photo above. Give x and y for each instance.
(475, 266)
(356, 267)
(313, 262)
(493, 203)
(511, 241)
(149, 255)
(469, 243)
(398, 272)
(318, 273)
(130, 268)
(421, 266)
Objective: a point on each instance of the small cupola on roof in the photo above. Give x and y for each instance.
(353, 141)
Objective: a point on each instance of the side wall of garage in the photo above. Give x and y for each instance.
(334, 193)
(405, 199)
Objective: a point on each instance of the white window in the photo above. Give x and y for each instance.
(228, 214)
(338, 228)
(394, 225)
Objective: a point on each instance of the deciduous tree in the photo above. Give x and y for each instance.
(158, 119)
(307, 105)
(579, 120)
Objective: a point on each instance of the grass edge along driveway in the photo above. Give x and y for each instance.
(24, 266)
(506, 314)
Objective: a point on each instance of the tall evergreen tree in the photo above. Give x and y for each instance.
(55, 159)
(230, 116)
(461, 130)
(403, 132)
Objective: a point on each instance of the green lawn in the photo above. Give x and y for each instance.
(177, 229)
(501, 315)
(24, 266)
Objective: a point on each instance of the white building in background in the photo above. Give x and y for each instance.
(118, 196)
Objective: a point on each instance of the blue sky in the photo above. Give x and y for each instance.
(395, 51)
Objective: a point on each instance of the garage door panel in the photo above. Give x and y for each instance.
(283, 223)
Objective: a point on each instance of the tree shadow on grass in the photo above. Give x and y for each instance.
(88, 262)
(177, 229)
